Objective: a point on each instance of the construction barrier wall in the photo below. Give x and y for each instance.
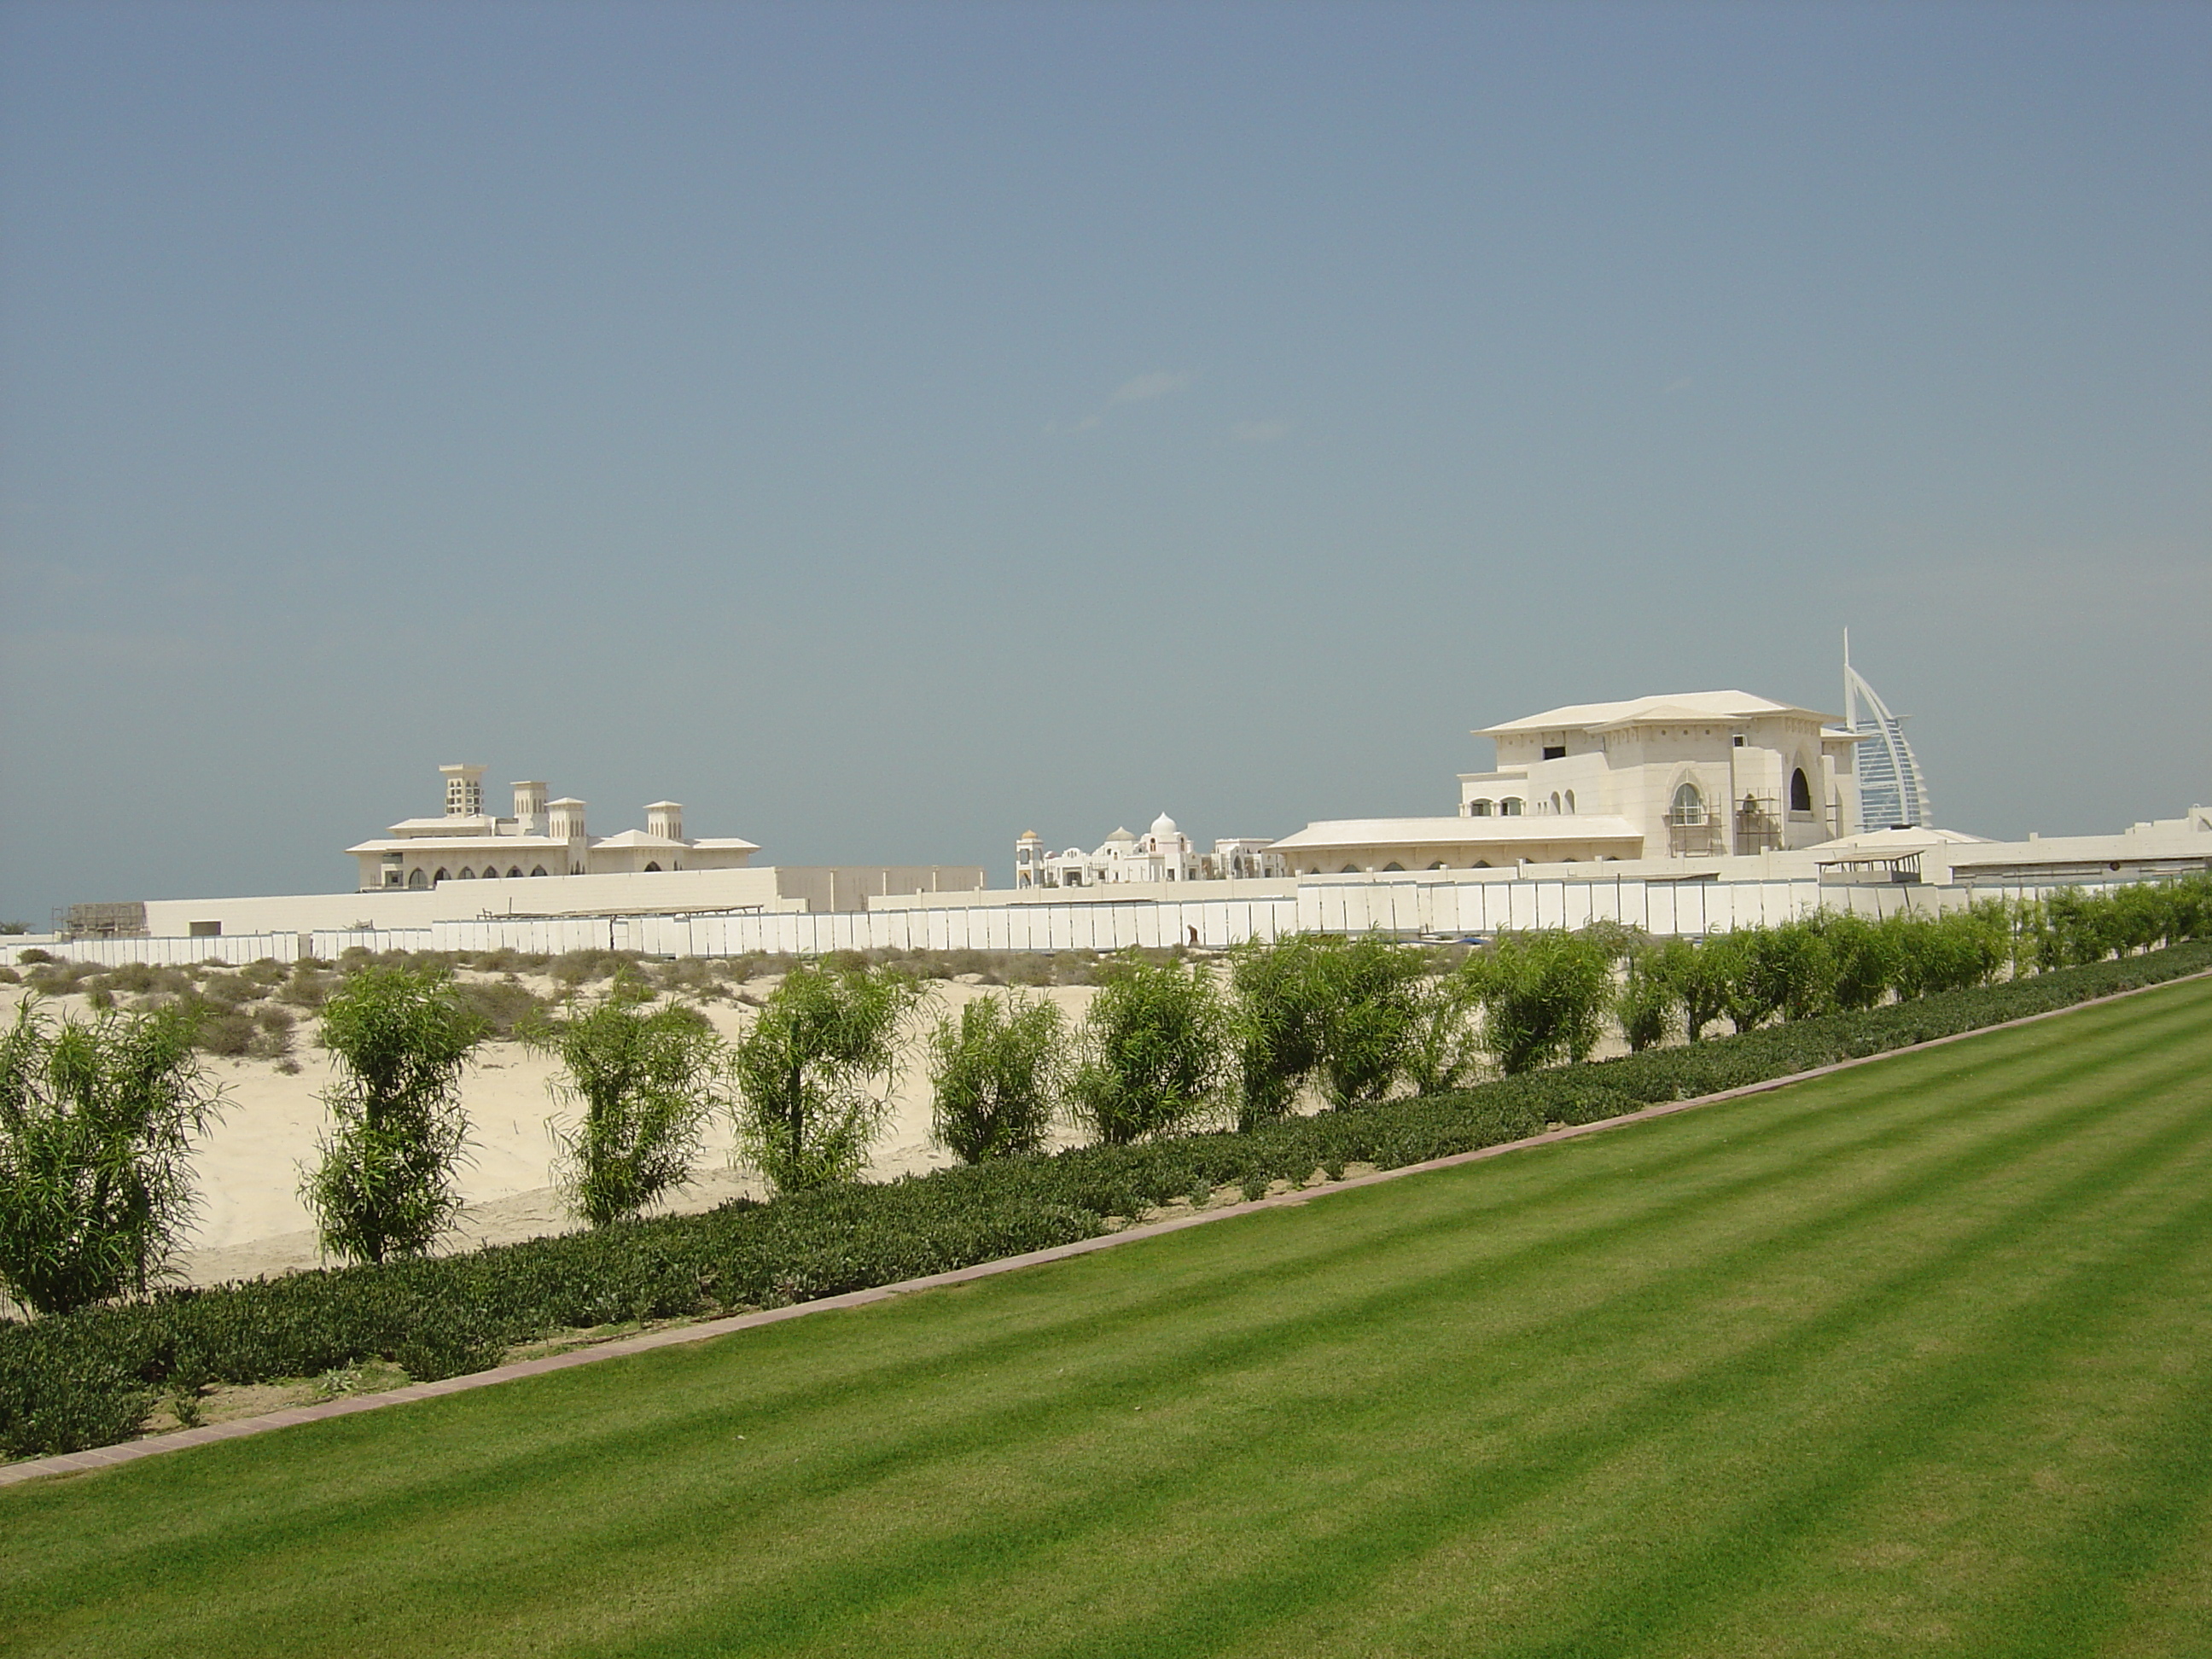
(1411, 908)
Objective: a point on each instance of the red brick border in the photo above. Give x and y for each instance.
(131, 1450)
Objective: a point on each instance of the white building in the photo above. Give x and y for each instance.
(540, 838)
(1691, 775)
(1892, 793)
(1162, 853)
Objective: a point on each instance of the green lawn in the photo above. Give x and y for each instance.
(1915, 1360)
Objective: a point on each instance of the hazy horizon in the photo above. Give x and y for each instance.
(886, 428)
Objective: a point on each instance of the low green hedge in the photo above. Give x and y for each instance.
(88, 1378)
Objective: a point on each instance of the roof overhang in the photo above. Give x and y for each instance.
(1555, 829)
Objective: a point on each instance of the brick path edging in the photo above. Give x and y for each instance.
(705, 1330)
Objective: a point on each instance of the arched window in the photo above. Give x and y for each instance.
(1393, 865)
(539, 870)
(416, 879)
(1480, 864)
(1477, 809)
(490, 872)
(1689, 805)
(514, 872)
(1349, 870)
(467, 874)
(1509, 807)
(1571, 800)
(1801, 791)
(650, 864)
(1555, 800)
(1440, 865)
(440, 876)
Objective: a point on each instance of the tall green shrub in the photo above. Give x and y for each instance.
(1954, 951)
(1646, 1003)
(1338, 1011)
(641, 1082)
(1862, 955)
(814, 1073)
(1154, 1050)
(1543, 997)
(97, 1122)
(994, 1077)
(1443, 1050)
(1697, 976)
(384, 1185)
(1785, 971)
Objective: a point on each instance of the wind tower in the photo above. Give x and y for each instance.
(1892, 793)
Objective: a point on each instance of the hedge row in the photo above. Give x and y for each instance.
(88, 1378)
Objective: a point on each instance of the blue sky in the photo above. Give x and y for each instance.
(886, 428)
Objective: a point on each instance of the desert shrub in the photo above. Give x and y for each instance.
(641, 1084)
(220, 1031)
(576, 968)
(310, 985)
(60, 979)
(265, 971)
(812, 1072)
(229, 990)
(1153, 1050)
(96, 1125)
(1075, 968)
(499, 1004)
(9, 976)
(994, 1077)
(384, 1184)
(506, 960)
(30, 956)
(1543, 997)
(1029, 967)
(693, 977)
(272, 1033)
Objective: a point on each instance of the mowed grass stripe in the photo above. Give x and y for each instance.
(1619, 1391)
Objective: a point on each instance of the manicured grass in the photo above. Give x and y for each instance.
(1914, 1359)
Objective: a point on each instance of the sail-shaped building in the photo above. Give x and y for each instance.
(1893, 794)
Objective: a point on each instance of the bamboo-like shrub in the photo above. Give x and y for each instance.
(384, 1184)
(995, 1076)
(97, 1122)
(814, 1071)
(1154, 1051)
(641, 1084)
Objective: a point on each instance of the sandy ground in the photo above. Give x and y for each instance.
(251, 1220)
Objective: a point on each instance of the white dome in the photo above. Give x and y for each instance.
(1164, 825)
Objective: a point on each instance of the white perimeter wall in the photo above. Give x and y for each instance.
(1448, 910)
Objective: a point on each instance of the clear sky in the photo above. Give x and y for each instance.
(887, 428)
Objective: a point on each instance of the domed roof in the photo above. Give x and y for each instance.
(1031, 834)
(1164, 825)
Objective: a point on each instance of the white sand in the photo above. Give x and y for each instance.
(251, 1220)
